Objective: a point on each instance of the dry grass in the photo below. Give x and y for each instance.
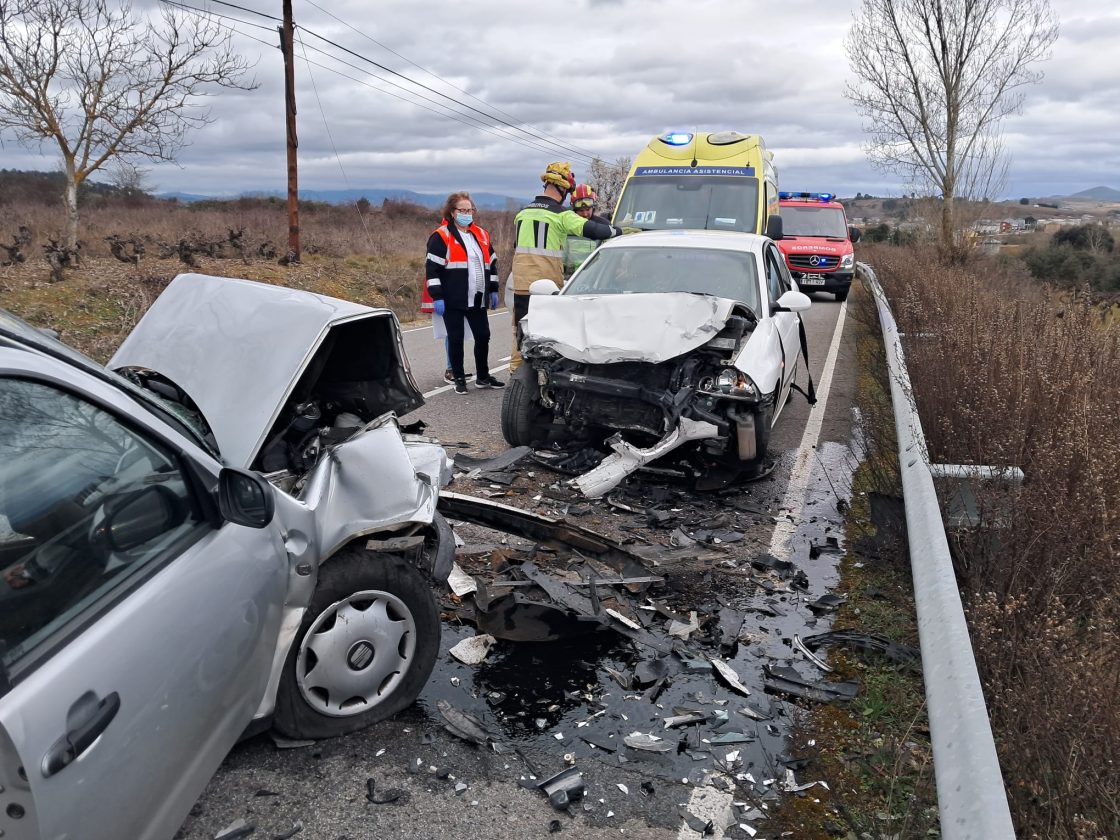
(376, 258)
(1011, 373)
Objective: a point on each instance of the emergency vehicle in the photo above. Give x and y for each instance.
(721, 180)
(817, 242)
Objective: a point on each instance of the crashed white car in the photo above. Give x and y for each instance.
(224, 529)
(660, 339)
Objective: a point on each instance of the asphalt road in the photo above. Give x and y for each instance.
(450, 788)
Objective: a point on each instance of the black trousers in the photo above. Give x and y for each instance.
(480, 327)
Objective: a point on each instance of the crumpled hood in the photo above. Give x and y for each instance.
(238, 348)
(603, 329)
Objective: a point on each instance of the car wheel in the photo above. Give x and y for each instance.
(842, 295)
(365, 649)
(524, 419)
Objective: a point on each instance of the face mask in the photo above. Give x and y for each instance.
(464, 219)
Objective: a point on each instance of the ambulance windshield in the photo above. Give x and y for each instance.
(665, 202)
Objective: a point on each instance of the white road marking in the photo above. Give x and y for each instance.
(707, 802)
(428, 326)
(794, 502)
(444, 388)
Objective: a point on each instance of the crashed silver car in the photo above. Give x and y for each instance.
(661, 339)
(224, 529)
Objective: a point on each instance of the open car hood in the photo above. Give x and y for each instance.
(603, 329)
(245, 352)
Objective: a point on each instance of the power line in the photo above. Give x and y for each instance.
(541, 134)
(567, 149)
(210, 13)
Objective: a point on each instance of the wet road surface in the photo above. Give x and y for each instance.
(552, 705)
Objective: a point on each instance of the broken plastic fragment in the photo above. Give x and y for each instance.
(808, 654)
(474, 650)
(460, 582)
(682, 630)
(623, 788)
(615, 614)
(462, 724)
(383, 798)
(564, 788)
(296, 828)
(236, 829)
(646, 742)
(727, 673)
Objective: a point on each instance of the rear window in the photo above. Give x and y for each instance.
(708, 271)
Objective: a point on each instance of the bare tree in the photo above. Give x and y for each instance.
(106, 85)
(934, 80)
(607, 180)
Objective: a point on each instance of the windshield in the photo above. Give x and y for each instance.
(658, 202)
(708, 271)
(814, 221)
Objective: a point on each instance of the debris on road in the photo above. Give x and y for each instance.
(392, 795)
(237, 829)
(462, 724)
(565, 788)
(473, 650)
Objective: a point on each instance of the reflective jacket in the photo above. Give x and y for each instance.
(542, 228)
(446, 266)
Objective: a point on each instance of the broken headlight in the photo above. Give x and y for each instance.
(729, 382)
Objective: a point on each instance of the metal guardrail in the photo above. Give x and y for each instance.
(971, 797)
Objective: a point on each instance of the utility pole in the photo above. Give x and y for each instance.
(287, 33)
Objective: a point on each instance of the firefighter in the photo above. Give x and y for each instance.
(541, 228)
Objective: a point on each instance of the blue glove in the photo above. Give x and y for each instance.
(440, 307)
(493, 300)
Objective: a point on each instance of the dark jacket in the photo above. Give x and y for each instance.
(445, 266)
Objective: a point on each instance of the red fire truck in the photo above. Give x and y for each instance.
(817, 242)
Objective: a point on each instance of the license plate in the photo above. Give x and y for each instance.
(810, 281)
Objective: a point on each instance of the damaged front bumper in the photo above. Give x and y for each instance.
(628, 458)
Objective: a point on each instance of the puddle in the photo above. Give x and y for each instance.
(548, 699)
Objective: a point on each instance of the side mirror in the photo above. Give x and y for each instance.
(544, 286)
(244, 498)
(774, 227)
(853, 234)
(140, 517)
(793, 301)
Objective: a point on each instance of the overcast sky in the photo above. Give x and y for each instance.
(603, 77)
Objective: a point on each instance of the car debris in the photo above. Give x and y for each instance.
(392, 795)
(235, 830)
(868, 642)
(296, 828)
(799, 646)
(786, 680)
(564, 789)
(473, 650)
(647, 743)
(462, 724)
(727, 673)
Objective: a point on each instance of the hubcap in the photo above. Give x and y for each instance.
(356, 653)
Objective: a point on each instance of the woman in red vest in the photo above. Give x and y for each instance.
(462, 279)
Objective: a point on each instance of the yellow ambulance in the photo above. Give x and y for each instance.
(721, 180)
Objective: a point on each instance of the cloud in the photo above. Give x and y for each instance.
(600, 77)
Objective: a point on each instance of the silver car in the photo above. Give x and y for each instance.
(225, 529)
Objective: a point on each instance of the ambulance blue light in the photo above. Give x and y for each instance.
(812, 196)
(678, 139)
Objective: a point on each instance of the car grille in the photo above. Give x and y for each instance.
(812, 262)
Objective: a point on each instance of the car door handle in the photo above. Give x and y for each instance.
(77, 740)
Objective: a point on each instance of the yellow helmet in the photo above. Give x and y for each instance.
(559, 174)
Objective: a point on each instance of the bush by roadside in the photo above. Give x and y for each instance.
(1009, 372)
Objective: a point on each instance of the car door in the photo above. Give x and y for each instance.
(136, 630)
(787, 325)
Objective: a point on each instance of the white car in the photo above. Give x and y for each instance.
(660, 339)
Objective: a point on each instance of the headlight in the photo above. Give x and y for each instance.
(848, 260)
(733, 383)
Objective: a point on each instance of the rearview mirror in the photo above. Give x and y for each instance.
(774, 227)
(793, 301)
(245, 498)
(544, 286)
(853, 234)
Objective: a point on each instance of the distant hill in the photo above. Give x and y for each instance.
(1099, 194)
(488, 201)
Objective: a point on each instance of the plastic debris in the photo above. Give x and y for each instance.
(385, 798)
(296, 828)
(647, 743)
(808, 654)
(474, 650)
(283, 743)
(460, 582)
(728, 675)
(683, 630)
(237, 828)
(565, 788)
(462, 724)
(623, 788)
(826, 603)
(785, 680)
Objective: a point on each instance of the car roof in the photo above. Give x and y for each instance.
(720, 239)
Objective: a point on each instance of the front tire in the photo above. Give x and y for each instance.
(524, 419)
(365, 648)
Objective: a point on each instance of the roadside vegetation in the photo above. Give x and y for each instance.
(133, 245)
(1013, 372)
